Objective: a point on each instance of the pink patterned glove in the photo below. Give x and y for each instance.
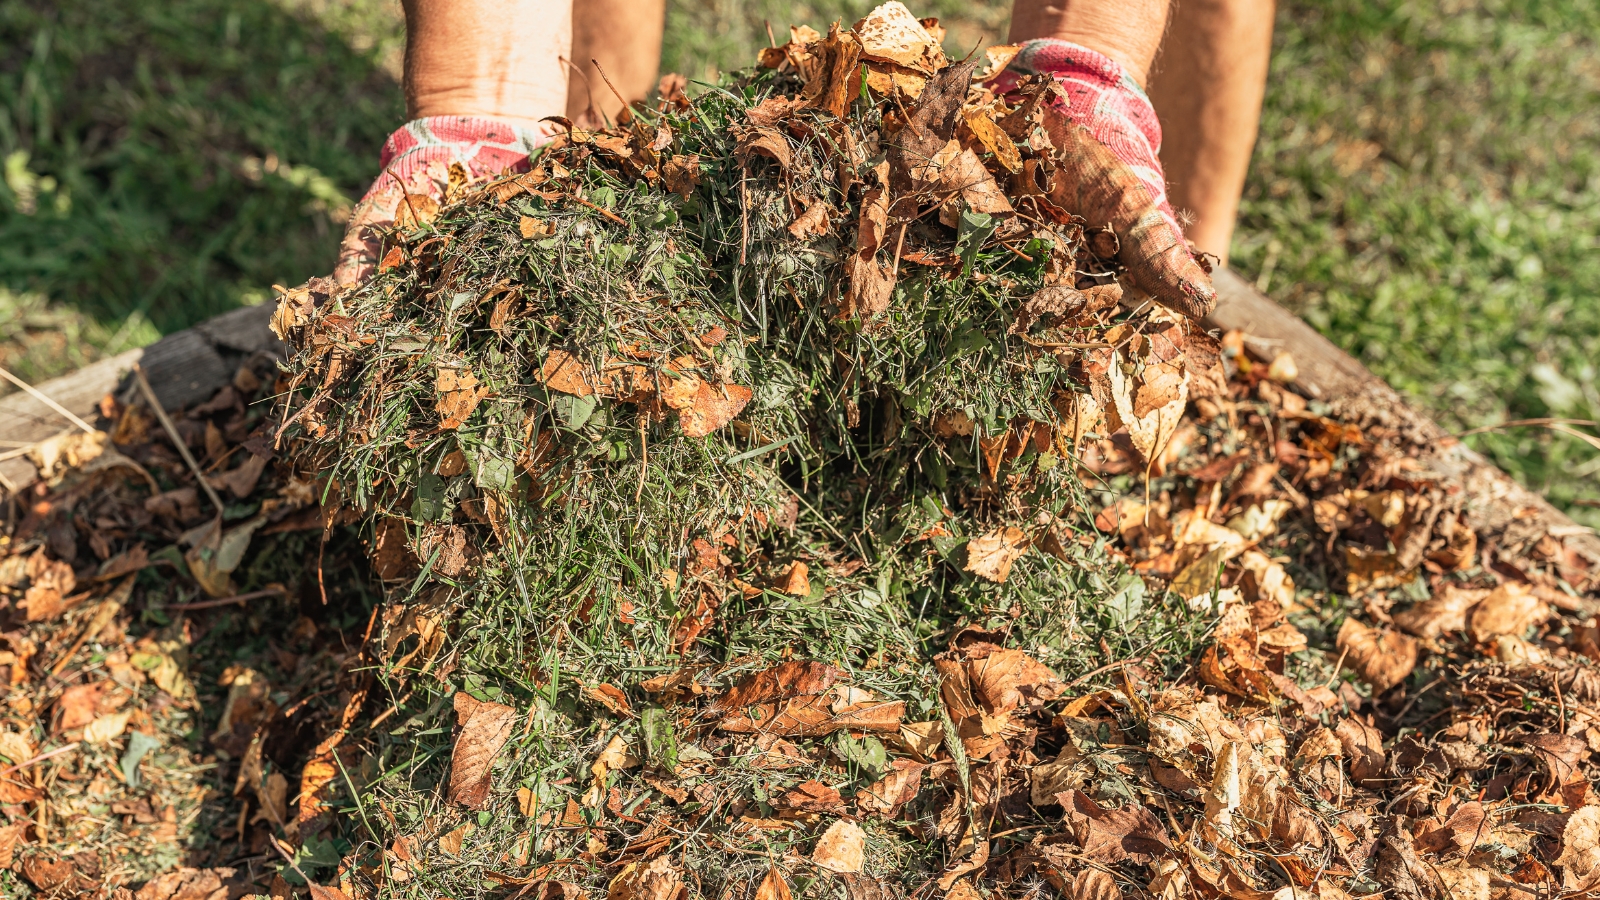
(416, 160)
(1107, 137)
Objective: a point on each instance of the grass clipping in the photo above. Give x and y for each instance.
(780, 388)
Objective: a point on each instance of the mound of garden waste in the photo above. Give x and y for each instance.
(786, 492)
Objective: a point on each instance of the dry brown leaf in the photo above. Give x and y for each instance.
(1382, 658)
(814, 716)
(1363, 746)
(964, 175)
(416, 210)
(187, 884)
(890, 33)
(566, 373)
(1460, 832)
(658, 879)
(1441, 614)
(886, 795)
(841, 847)
(682, 174)
(796, 678)
(485, 728)
(811, 223)
(458, 395)
(106, 728)
(1006, 679)
(704, 407)
(812, 796)
(1580, 846)
(796, 581)
(1093, 884)
(983, 127)
(991, 555)
(773, 886)
(1151, 406)
(450, 842)
(611, 697)
(1509, 609)
(1109, 836)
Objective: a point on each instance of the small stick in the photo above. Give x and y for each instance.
(40, 758)
(601, 210)
(172, 432)
(899, 244)
(240, 599)
(39, 396)
(603, 77)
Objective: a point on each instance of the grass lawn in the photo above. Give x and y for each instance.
(1426, 189)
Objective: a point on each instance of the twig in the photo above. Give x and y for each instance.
(172, 432)
(40, 758)
(37, 395)
(601, 210)
(603, 77)
(224, 601)
(1100, 671)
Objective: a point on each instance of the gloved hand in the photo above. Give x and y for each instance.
(1107, 137)
(416, 160)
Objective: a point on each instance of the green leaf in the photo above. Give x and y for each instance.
(660, 738)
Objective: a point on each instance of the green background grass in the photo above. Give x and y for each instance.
(1426, 189)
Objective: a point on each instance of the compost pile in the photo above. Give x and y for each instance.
(780, 493)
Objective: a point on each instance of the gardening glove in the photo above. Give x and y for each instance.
(1107, 139)
(416, 160)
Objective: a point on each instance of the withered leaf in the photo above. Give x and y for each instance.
(1005, 679)
(773, 887)
(758, 140)
(658, 879)
(886, 795)
(890, 33)
(1363, 746)
(841, 848)
(1382, 658)
(996, 141)
(812, 796)
(991, 555)
(811, 223)
(564, 372)
(708, 407)
(458, 394)
(1510, 609)
(485, 728)
(1112, 835)
(965, 175)
(795, 678)
(681, 174)
(814, 716)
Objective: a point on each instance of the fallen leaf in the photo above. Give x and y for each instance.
(704, 407)
(81, 704)
(1006, 679)
(991, 555)
(450, 842)
(796, 582)
(1363, 746)
(458, 394)
(814, 716)
(565, 373)
(10, 836)
(890, 33)
(964, 175)
(1460, 832)
(1382, 658)
(983, 127)
(1580, 846)
(811, 223)
(1093, 884)
(681, 174)
(107, 727)
(485, 728)
(841, 847)
(1509, 609)
(1110, 836)
(1151, 406)
(611, 697)
(812, 796)
(773, 887)
(658, 879)
(1442, 613)
(886, 795)
(796, 678)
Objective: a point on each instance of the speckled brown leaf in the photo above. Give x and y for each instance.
(991, 555)
(458, 394)
(1382, 658)
(485, 728)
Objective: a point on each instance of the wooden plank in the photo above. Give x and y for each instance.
(1515, 518)
(184, 367)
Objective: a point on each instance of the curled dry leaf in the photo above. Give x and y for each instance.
(886, 795)
(773, 886)
(704, 407)
(458, 394)
(1580, 846)
(1440, 614)
(657, 879)
(796, 678)
(485, 728)
(1093, 884)
(1110, 835)
(1509, 609)
(1363, 746)
(811, 223)
(1005, 679)
(991, 555)
(890, 33)
(1151, 406)
(1382, 658)
(841, 848)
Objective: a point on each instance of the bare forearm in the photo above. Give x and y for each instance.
(1128, 31)
(495, 58)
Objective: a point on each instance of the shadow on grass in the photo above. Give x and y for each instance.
(166, 160)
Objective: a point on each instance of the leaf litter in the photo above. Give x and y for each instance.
(777, 494)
